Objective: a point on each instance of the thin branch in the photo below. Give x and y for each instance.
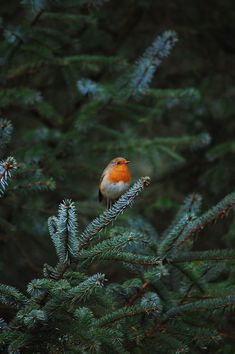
(214, 255)
(139, 294)
(20, 41)
(111, 214)
(124, 313)
(219, 210)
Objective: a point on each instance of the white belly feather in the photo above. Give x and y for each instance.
(113, 190)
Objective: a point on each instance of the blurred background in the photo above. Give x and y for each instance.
(64, 73)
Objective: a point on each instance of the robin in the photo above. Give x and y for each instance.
(114, 181)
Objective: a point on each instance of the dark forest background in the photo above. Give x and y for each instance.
(181, 134)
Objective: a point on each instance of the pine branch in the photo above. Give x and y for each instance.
(169, 241)
(20, 95)
(192, 275)
(31, 317)
(214, 255)
(199, 256)
(190, 287)
(165, 145)
(128, 257)
(104, 248)
(6, 129)
(42, 185)
(74, 294)
(37, 287)
(18, 340)
(20, 41)
(3, 324)
(191, 205)
(90, 232)
(7, 169)
(188, 93)
(202, 305)
(86, 288)
(146, 66)
(126, 312)
(11, 296)
(185, 216)
(110, 215)
(63, 231)
(139, 294)
(216, 212)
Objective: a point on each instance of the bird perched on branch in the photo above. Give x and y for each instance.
(114, 181)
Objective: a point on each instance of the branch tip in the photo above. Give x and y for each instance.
(146, 181)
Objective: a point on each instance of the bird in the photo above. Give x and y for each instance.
(115, 180)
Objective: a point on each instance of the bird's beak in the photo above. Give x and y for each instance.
(127, 162)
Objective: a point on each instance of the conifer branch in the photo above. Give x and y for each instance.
(214, 255)
(191, 205)
(20, 41)
(169, 241)
(20, 95)
(11, 296)
(32, 317)
(111, 214)
(3, 324)
(85, 288)
(57, 228)
(202, 305)
(106, 247)
(71, 295)
(128, 257)
(37, 287)
(191, 275)
(146, 66)
(139, 293)
(219, 210)
(63, 231)
(168, 299)
(125, 312)
(7, 169)
(185, 216)
(6, 129)
(43, 185)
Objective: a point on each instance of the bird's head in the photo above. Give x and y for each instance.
(119, 161)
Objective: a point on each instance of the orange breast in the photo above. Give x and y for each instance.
(119, 173)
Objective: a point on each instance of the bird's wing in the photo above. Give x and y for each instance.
(100, 195)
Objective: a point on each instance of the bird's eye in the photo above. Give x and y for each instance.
(119, 162)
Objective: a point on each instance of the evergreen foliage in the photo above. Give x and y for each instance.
(6, 168)
(167, 304)
(72, 102)
(80, 84)
(146, 66)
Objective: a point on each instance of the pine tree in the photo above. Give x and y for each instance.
(73, 104)
(79, 90)
(172, 299)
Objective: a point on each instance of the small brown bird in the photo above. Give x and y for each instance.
(114, 181)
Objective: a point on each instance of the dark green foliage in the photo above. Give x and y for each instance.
(63, 231)
(5, 132)
(86, 310)
(69, 95)
(7, 167)
(80, 84)
(146, 66)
